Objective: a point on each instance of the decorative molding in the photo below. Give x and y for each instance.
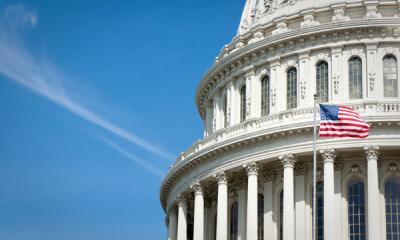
(328, 155)
(251, 168)
(309, 21)
(393, 168)
(340, 15)
(303, 88)
(268, 174)
(273, 96)
(355, 169)
(197, 189)
(371, 152)
(338, 164)
(371, 78)
(300, 168)
(221, 177)
(336, 83)
(281, 27)
(372, 11)
(287, 160)
(181, 200)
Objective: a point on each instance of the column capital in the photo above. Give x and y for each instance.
(197, 189)
(221, 177)
(181, 200)
(371, 152)
(328, 155)
(287, 160)
(251, 168)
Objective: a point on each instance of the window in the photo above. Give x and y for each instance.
(356, 211)
(265, 88)
(392, 203)
(322, 81)
(291, 88)
(260, 216)
(355, 78)
(243, 104)
(234, 221)
(281, 215)
(390, 76)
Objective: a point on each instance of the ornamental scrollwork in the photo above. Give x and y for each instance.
(336, 81)
(281, 27)
(287, 160)
(251, 168)
(372, 12)
(273, 96)
(371, 152)
(303, 88)
(221, 177)
(328, 155)
(197, 189)
(340, 15)
(309, 21)
(371, 78)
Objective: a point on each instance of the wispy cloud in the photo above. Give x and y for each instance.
(44, 78)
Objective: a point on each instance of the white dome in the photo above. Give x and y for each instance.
(250, 176)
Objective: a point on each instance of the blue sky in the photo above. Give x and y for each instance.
(97, 99)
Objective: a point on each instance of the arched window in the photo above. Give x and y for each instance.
(355, 78)
(291, 92)
(390, 76)
(320, 210)
(234, 221)
(356, 210)
(322, 81)
(281, 215)
(260, 216)
(243, 104)
(265, 88)
(392, 202)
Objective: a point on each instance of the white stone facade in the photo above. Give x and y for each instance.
(257, 149)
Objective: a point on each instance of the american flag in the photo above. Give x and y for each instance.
(341, 121)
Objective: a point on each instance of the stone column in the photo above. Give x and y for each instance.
(198, 224)
(222, 206)
(252, 195)
(372, 153)
(269, 175)
(172, 222)
(182, 221)
(300, 200)
(328, 157)
(288, 162)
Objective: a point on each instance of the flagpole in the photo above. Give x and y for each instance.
(314, 229)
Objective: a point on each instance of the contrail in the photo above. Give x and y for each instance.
(138, 160)
(43, 78)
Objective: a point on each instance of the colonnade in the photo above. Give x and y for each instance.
(293, 214)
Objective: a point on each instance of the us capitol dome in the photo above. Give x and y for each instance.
(250, 177)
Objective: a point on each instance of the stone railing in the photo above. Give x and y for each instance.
(286, 120)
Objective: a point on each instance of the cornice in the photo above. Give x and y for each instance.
(247, 54)
(246, 141)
